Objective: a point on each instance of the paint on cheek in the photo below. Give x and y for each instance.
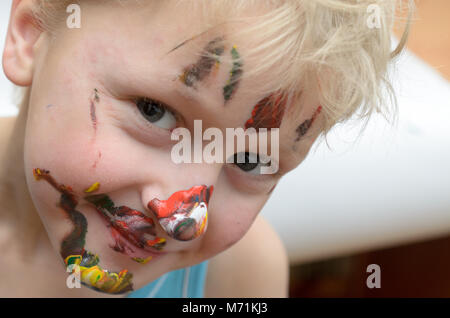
(133, 232)
(184, 215)
(236, 72)
(72, 247)
(94, 100)
(200, 70)
(94, 165)
(268, 113)
(304, 127)
(94, 187)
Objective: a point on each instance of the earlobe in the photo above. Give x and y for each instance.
(23, 33)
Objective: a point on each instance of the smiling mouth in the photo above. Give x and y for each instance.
(133, 232)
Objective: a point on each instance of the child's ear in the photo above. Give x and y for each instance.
(23, 33)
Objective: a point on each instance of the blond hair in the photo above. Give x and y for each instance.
(324, 42)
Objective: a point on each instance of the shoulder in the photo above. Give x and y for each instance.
(256, 266)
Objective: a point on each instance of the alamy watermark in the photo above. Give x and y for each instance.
(251, 146)
(374, 16)
(374, 279)
(74, 19)
(74, 278)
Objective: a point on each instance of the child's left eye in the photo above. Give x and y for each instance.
(156, 113)
(250, 162)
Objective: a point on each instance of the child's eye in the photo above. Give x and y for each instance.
(249, 162)
(156, 113)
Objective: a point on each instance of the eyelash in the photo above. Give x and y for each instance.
(167, 109)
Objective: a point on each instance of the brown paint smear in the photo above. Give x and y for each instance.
(304, 127)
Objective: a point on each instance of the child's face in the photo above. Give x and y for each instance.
(86, 129)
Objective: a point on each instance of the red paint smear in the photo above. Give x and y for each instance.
(126, 239)
(181, 201)
(94, 99)
(268, 112)
(96, 161)
(316, 113)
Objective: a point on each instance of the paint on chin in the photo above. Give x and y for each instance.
(73, 245)
(133, 232)
(184, 216)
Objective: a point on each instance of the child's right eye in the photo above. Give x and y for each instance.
(156, 113)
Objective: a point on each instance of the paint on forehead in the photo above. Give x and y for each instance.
(235, 74)
(304, 127)
(73, 245)
(201, 69)
(268, 112)
(184, 215)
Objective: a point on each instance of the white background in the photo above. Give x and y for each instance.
(392, 186)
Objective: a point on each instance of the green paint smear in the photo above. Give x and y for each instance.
(101, 201)
(236, 72)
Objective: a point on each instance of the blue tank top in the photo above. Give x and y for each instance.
(186, 282)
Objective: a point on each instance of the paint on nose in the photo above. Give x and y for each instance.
(184, 216)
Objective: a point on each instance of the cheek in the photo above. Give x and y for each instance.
(67, 153)
(229, 222)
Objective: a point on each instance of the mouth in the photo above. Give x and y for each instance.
(184, 215)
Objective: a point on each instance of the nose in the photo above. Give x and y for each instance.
(184, 215)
